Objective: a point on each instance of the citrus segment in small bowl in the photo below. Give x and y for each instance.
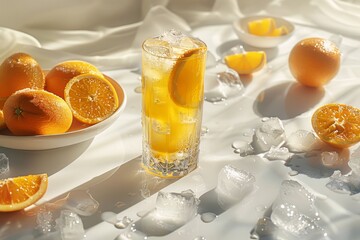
(337, 124)
(20, 192)
(247, 62)
(91, 98)
(263, 31)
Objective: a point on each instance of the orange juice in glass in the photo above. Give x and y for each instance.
(173, 67)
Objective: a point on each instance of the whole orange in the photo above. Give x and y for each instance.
(36, 112)
(57, 78)
(314, 61)
(20, 71)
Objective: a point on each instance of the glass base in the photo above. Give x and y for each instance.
(169, 165)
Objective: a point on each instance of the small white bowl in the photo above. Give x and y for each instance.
(241, 28)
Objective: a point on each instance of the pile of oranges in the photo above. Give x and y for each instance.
(35, 102)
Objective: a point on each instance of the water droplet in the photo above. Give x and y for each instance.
(138, 89)
(208, 217)
(200, 238)
(124, 223)
(293, 173)
(142, 213)
(204, 130)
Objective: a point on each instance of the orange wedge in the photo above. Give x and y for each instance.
(91, 98)
(279, 31)
(21, 192)
(266, 27)
(337, 124)
(262, 27)
(246, 63)
(186, 79)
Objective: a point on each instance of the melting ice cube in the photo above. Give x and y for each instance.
(82, 203)
(294, 211)
(292, 192)
(347, 183)
(354, 162)
(44, 220)
(243, 148)
(179, 207)
(276, 153)
(287, 217)
(270, 133)
(233, 185)
(70, 226)
(330, 159)
(4, 164)
(301, 141)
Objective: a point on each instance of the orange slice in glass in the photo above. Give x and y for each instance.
(91, 98)
(21, 192)
(337, 124)
(247, 62)
(186, 80)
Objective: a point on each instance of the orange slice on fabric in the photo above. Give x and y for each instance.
(21, 192)
(91, 98)
(186, 78)
(337, 124)
(247, 62)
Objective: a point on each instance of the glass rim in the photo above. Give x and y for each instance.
(203, 49)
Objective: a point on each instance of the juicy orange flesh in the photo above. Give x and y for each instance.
(17, 193)
(266, 27)
(337, 124)
(92, 98)
(172, 101)
(246, 63)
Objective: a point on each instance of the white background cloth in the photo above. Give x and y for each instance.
(109, 34)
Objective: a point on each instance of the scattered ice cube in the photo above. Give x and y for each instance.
(293, 193)
(233, 185)
(354, 162)
(347, 183)
(82, 203)
(330, 159)
(301, 141)
(287, 217)
(243, 148)
(294, 211)
(70, 226)
(179, 207)
(44, 220)
(276, 153)
(270, 133)
(4, 164)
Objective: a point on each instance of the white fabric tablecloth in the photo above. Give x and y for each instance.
(109, 34)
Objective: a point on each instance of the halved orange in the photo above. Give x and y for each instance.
(247, 62)
(20, 192)
(91, 98)
(337, 124)
(186, 82)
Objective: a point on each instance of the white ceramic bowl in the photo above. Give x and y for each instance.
(43, 142)
(240, 27)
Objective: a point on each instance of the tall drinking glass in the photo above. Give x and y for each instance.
(173, 67)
